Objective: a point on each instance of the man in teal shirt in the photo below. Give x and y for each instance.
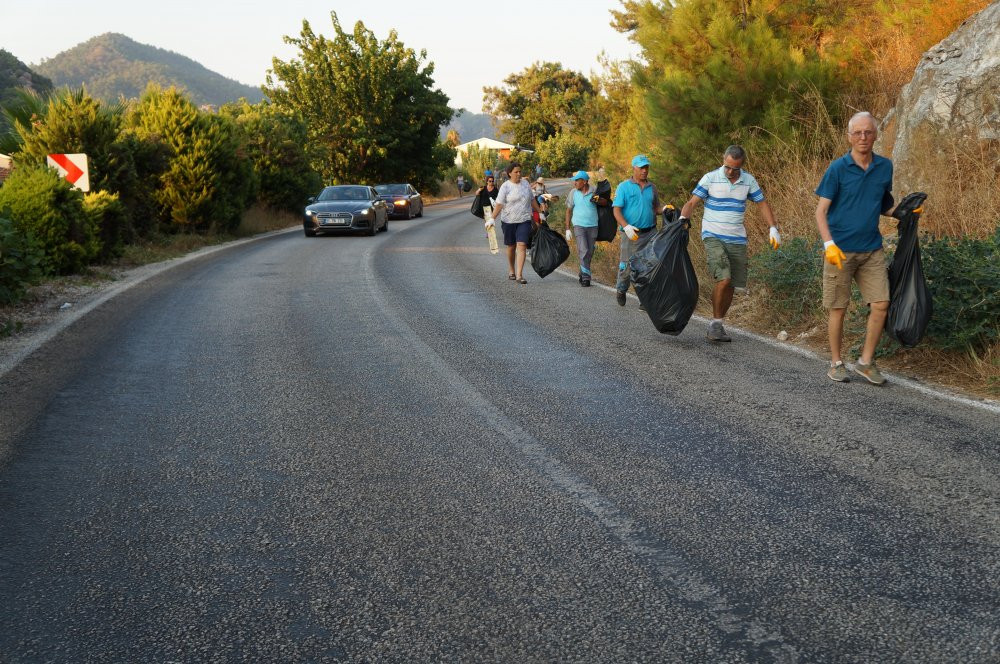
(635, 206)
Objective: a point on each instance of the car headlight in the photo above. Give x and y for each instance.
(310, 213)
(400, 203)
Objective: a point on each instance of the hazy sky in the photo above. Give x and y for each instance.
(472, 44)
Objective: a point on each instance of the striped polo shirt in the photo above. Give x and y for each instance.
(726, 204)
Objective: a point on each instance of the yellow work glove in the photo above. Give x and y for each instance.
(834, 256)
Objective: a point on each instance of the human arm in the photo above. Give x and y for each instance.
(688, 208)
(833, 253)
(774, 237)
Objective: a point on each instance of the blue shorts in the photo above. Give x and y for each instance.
(514, 233)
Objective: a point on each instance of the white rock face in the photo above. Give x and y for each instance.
(954, 94)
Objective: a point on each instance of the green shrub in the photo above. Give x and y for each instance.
(20, 262)
(793, 275)
(964, 278)
(108, 215)
(562, 154)
(49, 211)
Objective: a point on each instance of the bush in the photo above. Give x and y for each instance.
(793, 275)
(49, 211)
(964, 277)
(108, 215)
(562, 154)
(20, 262)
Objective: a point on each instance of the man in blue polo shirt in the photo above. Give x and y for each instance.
(854, 191)
(581, 222)
(635, 206)
(725, 192)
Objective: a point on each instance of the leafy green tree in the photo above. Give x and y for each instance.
(275, 142)
(538, 102)
(715, 69)
(370, 106)
(208, 183)
(563, 154)
(20, 262)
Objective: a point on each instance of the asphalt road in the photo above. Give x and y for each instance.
(380, 449)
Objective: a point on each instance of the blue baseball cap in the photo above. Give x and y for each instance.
(489, 173)
(640, 160)
(581, 175)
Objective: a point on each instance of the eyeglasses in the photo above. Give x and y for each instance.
(867, 133)
(489, 179)
(731, 169)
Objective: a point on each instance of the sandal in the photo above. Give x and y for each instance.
(512, 277)
(522, 280)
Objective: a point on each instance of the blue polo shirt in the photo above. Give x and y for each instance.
(584, 211)
(637, 203)
(858, 198)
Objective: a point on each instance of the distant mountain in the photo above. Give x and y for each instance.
(471, 126)
(15, 74)
(113, 65)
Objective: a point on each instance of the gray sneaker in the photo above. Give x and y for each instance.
(869, 372)
(838, 373)
(717, 333)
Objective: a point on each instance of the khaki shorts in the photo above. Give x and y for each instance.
(867, 268)
(726, 261)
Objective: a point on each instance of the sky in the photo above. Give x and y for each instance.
(471, 44)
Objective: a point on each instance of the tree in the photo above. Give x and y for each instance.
(208, 182)
(275, 142)
(539, 102)
(370, 106)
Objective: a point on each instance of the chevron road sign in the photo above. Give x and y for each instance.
(73, 167)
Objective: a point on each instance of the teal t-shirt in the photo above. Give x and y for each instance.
(584, 211)
(637, 203)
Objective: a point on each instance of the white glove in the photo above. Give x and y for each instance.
(569, 235)
(631, 231)
(489, 223)
(774, 237)
(541, 216)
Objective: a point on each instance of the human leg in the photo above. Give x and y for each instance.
(835, 331)
(522, 249)
(586, 239)
(722, 298)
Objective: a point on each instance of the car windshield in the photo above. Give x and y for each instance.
(343, 194)
(391, 189)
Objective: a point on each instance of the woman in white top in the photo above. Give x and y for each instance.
(513, 208)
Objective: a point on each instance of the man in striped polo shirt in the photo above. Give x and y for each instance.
(725, 192)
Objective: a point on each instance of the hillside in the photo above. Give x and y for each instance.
(15, 74)
(471, 126)
(112, 65)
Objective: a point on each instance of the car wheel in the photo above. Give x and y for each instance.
(409, 213)
(373, 228)
(421, 213)
(385, 226)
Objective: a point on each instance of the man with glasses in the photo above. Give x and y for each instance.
(855, 190)
(725, 192)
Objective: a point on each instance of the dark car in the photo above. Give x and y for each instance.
(402, 199)
(346, 207)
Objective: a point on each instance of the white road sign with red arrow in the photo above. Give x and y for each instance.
(73, 167)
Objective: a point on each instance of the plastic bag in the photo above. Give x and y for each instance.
(664, 277)
(549, 251)
(910, 303)
(607, 226)
(477, 207)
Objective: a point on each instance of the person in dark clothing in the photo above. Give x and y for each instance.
(488, 195)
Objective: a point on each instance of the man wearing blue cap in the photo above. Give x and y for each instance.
(635, 206)
(581, 216)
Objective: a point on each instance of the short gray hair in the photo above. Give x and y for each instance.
(859, 116)
(736, 152)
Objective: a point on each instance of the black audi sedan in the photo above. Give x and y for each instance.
(402, 199)
(346, 207)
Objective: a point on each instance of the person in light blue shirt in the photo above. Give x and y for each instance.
(581, 216)
(725, 192)
(635, 206)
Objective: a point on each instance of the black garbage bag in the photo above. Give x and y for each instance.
(910, 304)
(549, 250)
(664, 277)
(477, 207)
(467, 185)
(607, 226)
